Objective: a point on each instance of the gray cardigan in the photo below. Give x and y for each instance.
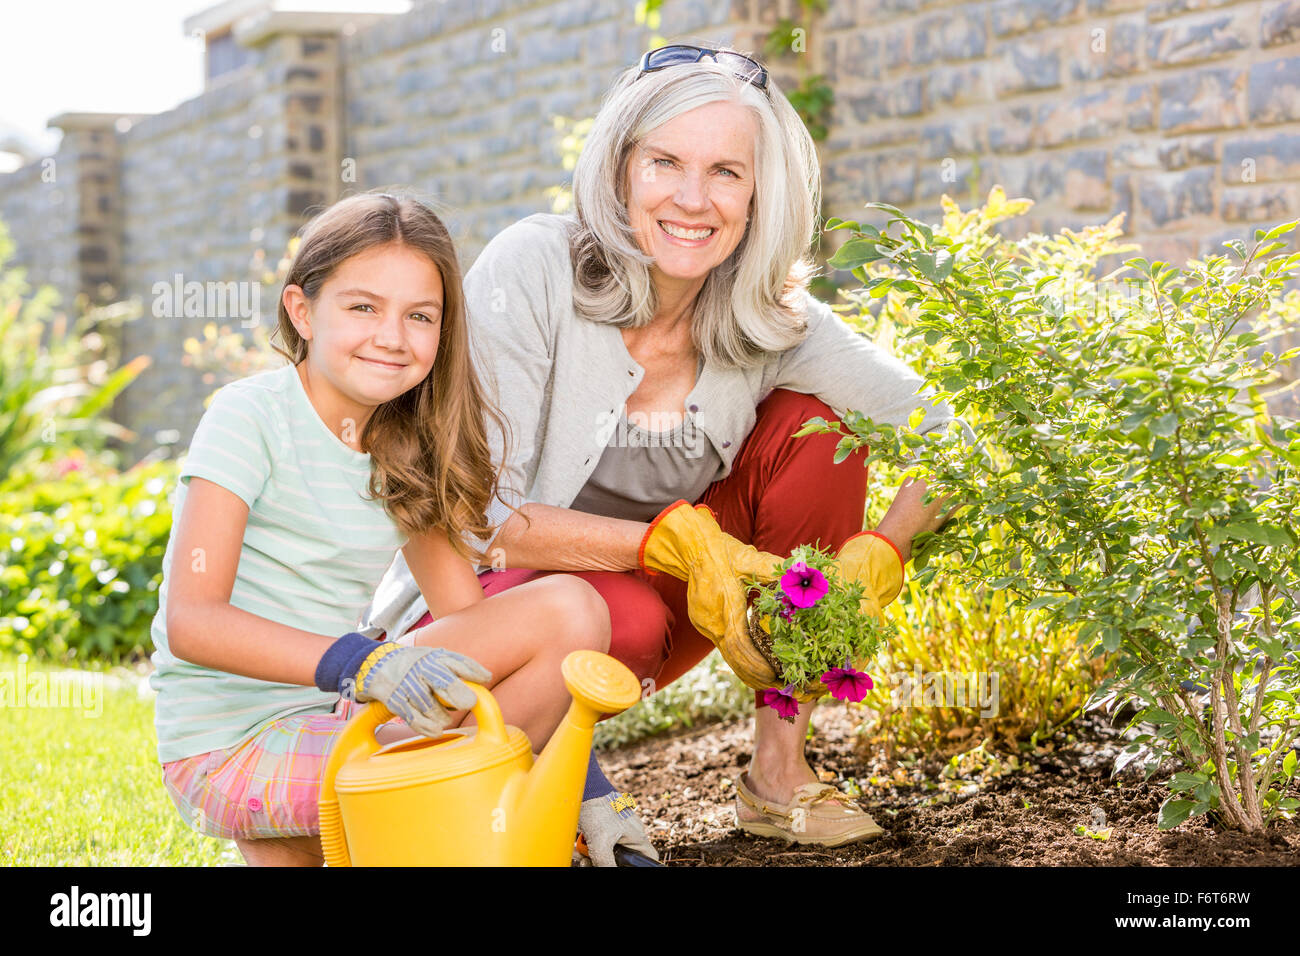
(561, 381)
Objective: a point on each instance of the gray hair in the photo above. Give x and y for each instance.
(751, 304)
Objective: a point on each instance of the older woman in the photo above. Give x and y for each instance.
(659, 348)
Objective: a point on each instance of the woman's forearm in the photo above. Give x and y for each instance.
(909, 516)
(561, 539)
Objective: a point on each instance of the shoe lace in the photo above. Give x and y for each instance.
(829, 793)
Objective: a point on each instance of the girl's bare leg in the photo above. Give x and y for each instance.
(522, 635)
(282, 851)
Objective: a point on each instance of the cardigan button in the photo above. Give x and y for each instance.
(695, 408)
(726, 444)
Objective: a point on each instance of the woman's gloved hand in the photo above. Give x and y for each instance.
(872, 559)
(688, 544)
(421, 685)
(609, 820)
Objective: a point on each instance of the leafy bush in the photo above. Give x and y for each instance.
(953, 635)
(81, 558)
(55, 378)
(1142, 491)
(960, 631)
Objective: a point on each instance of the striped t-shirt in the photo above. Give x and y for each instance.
(314, 551)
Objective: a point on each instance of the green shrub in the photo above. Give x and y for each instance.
(56, 379)
(964, 630)
(81, 558)
(1142, 491)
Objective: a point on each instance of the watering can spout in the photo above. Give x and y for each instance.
(599, 685)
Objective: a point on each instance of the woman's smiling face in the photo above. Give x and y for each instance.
(690, 183)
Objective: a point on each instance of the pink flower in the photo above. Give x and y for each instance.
(846, 683)
(782, 701)
(786, 610)
(803, 586)
(69, 464)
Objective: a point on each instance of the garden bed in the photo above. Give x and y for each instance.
(980, 813)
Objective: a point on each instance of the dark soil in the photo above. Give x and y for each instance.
(981, 812)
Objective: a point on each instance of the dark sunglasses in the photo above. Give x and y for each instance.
(751, 71)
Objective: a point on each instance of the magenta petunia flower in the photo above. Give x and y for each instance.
(846, 683)
(782, 701)
(803, 586)
(786, 610)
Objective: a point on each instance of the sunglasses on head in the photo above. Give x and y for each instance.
(751, 71)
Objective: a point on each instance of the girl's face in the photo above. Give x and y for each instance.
(373, 329)
(690, 183)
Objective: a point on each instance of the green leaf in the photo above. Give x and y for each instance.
(1165, 425)
(1174, 812)
(855, 253)
(1186, 781)
(1136, 373)
(885, 207)
(1267, 535)
(1278, 232)
(1288, 764)
(944, 262)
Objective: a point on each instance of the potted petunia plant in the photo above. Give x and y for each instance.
(810, 628)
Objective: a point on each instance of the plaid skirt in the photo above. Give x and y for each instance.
(267, 786)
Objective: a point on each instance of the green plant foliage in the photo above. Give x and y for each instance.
(832, 633)
(81, 559)
(1141, 490)
(55, 378)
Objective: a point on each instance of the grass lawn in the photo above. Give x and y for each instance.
(81, 786)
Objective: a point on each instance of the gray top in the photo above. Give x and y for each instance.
(560, 380)
(642, 471)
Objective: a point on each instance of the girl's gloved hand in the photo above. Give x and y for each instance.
(421, 685)
(609, 820)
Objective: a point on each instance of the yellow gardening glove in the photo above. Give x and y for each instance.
(688, 544)
(872, 559)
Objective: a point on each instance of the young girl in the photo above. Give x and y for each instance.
(299, 486)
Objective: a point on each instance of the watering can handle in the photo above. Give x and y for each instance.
(358, 740)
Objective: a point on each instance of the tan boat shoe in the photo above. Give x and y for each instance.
(818, 814)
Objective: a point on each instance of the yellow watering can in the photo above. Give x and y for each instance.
(471, 797)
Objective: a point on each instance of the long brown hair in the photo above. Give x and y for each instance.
(430, 460)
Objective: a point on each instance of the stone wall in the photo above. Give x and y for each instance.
(1183, 114)
(213, 191)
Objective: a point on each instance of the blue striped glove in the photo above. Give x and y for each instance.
(418, 684)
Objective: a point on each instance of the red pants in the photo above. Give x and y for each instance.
(781, 492)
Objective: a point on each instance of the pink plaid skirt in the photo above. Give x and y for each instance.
(267, 786)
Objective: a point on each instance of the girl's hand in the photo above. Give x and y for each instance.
(421, 685)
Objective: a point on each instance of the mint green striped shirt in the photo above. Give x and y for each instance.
(314, 551)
